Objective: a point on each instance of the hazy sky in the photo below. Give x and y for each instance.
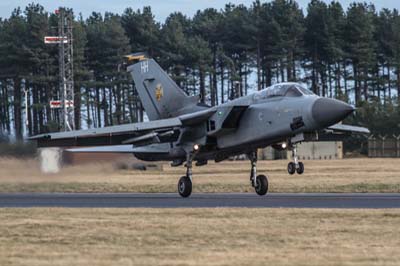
(161, 8)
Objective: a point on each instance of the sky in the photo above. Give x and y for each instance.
(160, 8)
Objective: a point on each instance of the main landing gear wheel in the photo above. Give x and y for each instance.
(259, 182)
(185, 186)
(261, 185)
(185, 182)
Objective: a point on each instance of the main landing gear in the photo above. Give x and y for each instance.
(259, 182)
(295, 166)
(185, 182)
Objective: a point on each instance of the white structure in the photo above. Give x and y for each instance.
(50, 160)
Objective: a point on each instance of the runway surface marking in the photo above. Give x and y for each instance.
(200, 200)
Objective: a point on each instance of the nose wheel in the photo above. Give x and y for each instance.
(300, 168)
(295, 166)
(259, 182)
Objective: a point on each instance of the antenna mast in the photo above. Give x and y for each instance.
(66, 52)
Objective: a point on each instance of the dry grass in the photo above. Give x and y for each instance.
(199, 237)
(351, 175)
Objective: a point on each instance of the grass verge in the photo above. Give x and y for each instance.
(351, 175)
(199, 237)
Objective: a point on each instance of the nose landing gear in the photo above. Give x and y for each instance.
(295, 166)
(259, 182)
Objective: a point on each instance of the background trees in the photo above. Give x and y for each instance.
(351, 54)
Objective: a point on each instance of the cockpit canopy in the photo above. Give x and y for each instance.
(284, 90)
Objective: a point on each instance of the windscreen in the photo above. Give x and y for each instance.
(284, 90)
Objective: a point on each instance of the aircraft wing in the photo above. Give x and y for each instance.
(349, 129)
(137, 134)
(141, 134)
(339, 132)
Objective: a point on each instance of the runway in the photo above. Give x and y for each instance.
(199, 200)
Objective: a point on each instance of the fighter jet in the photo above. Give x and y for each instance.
(183, 131)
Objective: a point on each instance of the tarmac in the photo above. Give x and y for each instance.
(201, 200)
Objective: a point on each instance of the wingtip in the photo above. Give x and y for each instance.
(41, 136)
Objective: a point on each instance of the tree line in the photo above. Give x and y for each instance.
(351, 54)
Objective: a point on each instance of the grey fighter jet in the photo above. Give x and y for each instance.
(183, 131)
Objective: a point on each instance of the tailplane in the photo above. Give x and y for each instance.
(160, 95)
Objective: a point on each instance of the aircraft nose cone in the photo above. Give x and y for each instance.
(327, 112)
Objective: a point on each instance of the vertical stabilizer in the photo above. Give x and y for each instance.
(160, 95)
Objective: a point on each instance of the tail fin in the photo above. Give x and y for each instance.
(160, 95)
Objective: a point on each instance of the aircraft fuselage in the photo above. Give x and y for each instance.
(256, 121)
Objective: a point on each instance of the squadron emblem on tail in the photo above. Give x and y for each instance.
(159, 92)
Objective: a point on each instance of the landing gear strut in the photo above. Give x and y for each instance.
(295, 166)
(260, 182)
(185, 182)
